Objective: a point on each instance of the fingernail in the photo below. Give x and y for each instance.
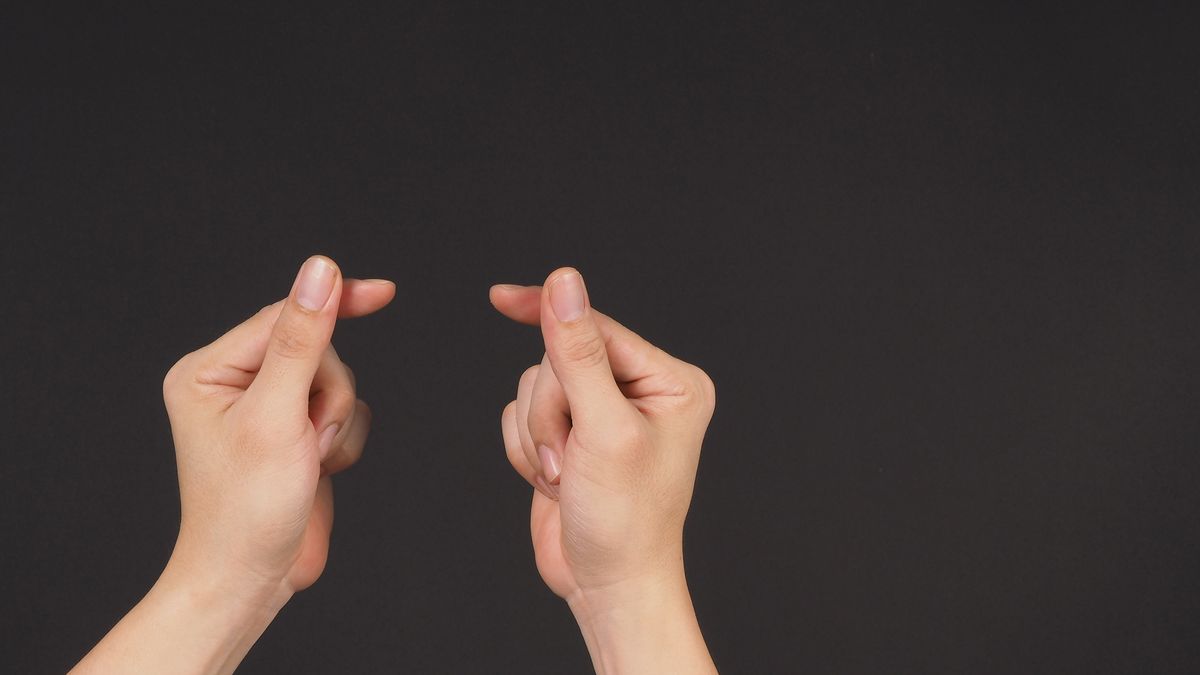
(314, 283)
(550, 491)
(381, 282)
(566, 297)
(551, 464)
(326, 440)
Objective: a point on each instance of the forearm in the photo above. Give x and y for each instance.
(189, 623)
(643, 627)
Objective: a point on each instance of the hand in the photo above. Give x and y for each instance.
(608, 428)
(261, 418)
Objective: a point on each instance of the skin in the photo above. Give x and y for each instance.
(261, 419)
(608, 429)
(263, 416)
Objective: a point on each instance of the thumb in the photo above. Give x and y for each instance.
(300, 334)
(576, 349)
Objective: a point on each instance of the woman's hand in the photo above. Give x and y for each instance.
(608, 429)
(260, 418)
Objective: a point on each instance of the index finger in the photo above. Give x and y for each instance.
(630, 355)
(361, 297)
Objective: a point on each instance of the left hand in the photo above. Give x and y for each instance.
(261, 418)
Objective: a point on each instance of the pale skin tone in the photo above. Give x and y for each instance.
(265, 415)
(608, 430)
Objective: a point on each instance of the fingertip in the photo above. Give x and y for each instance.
(315, 283)
(567, 294)
(320, 257)
(559, 274)
(519, 303)
(364, 296)
(329, 265)
(384, 290)
(497, 291)
(384, 286)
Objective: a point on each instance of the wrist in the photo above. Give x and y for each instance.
(647, 624)
(216, 589)
(191, 622)
(213, 571)
(211, 618)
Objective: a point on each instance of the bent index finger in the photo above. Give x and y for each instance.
(630, 356)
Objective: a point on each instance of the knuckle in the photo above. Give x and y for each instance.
(706, 389)
(515, 454)
(176, 378)
(289, 341)
(342, 401)
(586, 350)
(348, 455)
(530, 373)
(695, 389)
(525, 383)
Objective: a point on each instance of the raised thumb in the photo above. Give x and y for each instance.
(300, 334)
(576, 349)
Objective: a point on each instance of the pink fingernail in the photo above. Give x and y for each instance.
(326, 440)
(314, 283)
(550, 491)
(566, 297)
(551, 463)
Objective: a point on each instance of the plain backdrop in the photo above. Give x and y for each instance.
(939, 260)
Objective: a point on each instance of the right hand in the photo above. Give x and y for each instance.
(608, 429)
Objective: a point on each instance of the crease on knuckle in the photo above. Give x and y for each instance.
(693, 389)
(289, 341)
(586, 351)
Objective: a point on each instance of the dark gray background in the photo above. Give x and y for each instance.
(939, 260)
